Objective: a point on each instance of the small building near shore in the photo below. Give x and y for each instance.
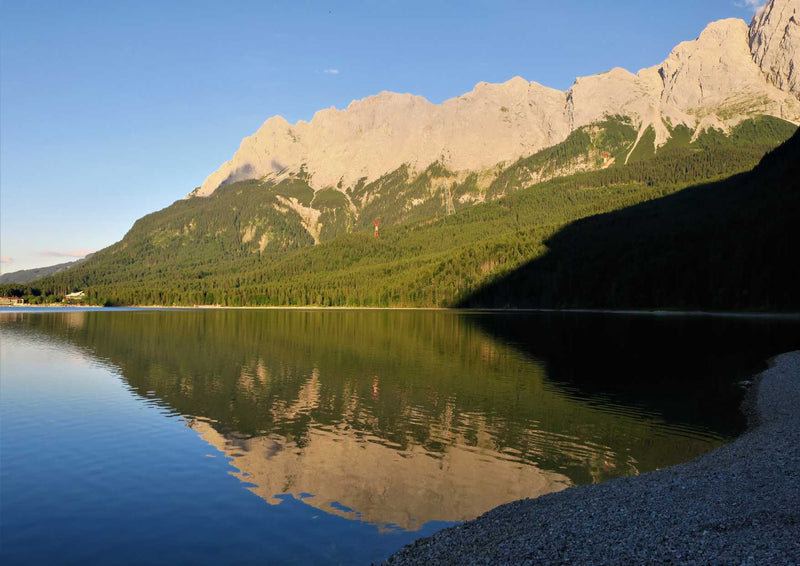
(11, 301)
(76, 296)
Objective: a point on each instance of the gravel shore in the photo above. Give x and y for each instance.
(739, 504)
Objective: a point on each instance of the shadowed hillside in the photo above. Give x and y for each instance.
(725, 245)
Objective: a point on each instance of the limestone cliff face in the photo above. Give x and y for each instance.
(379, 133)
(775, 43)
(713, 81)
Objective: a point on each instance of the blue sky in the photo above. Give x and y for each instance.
(112, 110)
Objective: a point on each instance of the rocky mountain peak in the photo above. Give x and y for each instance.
(730, 72)
(775, 43)
(704, 73)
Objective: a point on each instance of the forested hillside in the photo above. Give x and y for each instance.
(249, 243)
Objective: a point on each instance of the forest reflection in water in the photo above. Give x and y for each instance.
(399, 418)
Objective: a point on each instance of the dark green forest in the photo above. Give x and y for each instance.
(246, 244)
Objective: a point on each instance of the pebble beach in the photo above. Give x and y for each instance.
(739, 504)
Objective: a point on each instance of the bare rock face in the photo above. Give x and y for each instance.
(775, 43)
(379, 133)
(713, 81)
(705, 75)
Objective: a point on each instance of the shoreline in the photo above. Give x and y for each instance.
(737, 504)
(622, 312)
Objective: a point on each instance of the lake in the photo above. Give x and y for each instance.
(336, 437)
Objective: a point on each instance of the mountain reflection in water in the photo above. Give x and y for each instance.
(400, 418)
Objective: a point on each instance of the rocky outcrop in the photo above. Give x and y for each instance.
(713, 81)
(379, 133)
(775, 43)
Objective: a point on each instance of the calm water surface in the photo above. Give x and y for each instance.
(336, 437)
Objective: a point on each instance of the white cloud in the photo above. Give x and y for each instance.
(5, 259)
(754, 5)
(331, 71)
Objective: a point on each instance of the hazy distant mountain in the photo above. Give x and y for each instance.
(27, 275)
(731, 72)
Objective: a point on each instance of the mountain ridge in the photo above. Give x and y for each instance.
(714, 81)
(283, 239)
(235, 248)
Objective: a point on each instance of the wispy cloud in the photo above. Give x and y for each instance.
(5, 259)
(66, 253)
(331, 71)
(754, 5)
